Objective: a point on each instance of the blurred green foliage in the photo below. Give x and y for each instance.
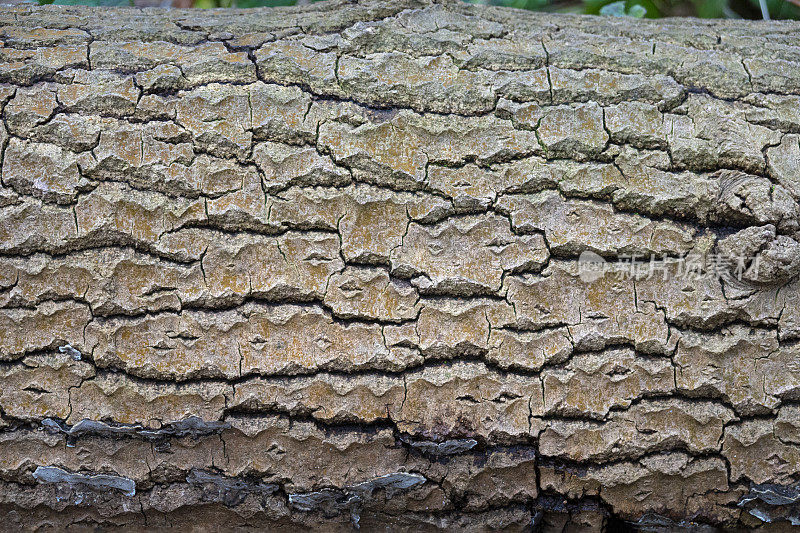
(619, 9)
(749, 9)
(94, 3)
(243, 3)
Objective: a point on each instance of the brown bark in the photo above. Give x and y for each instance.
(328, 266)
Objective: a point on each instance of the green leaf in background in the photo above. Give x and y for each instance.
(637, 11)
(263, 3)
(618, 9)
(209, 4)
(711, 9)
(93, 3)
(533, 5)
(614, 9)
(779, 9)
(652, 8)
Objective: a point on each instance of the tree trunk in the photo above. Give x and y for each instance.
(397, 264)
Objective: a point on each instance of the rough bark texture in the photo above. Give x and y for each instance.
(319, 267)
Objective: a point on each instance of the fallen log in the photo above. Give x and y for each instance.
(397, 264)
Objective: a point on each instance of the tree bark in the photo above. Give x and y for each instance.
(409, 265)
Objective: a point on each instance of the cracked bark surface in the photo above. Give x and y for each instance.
(319, 267)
